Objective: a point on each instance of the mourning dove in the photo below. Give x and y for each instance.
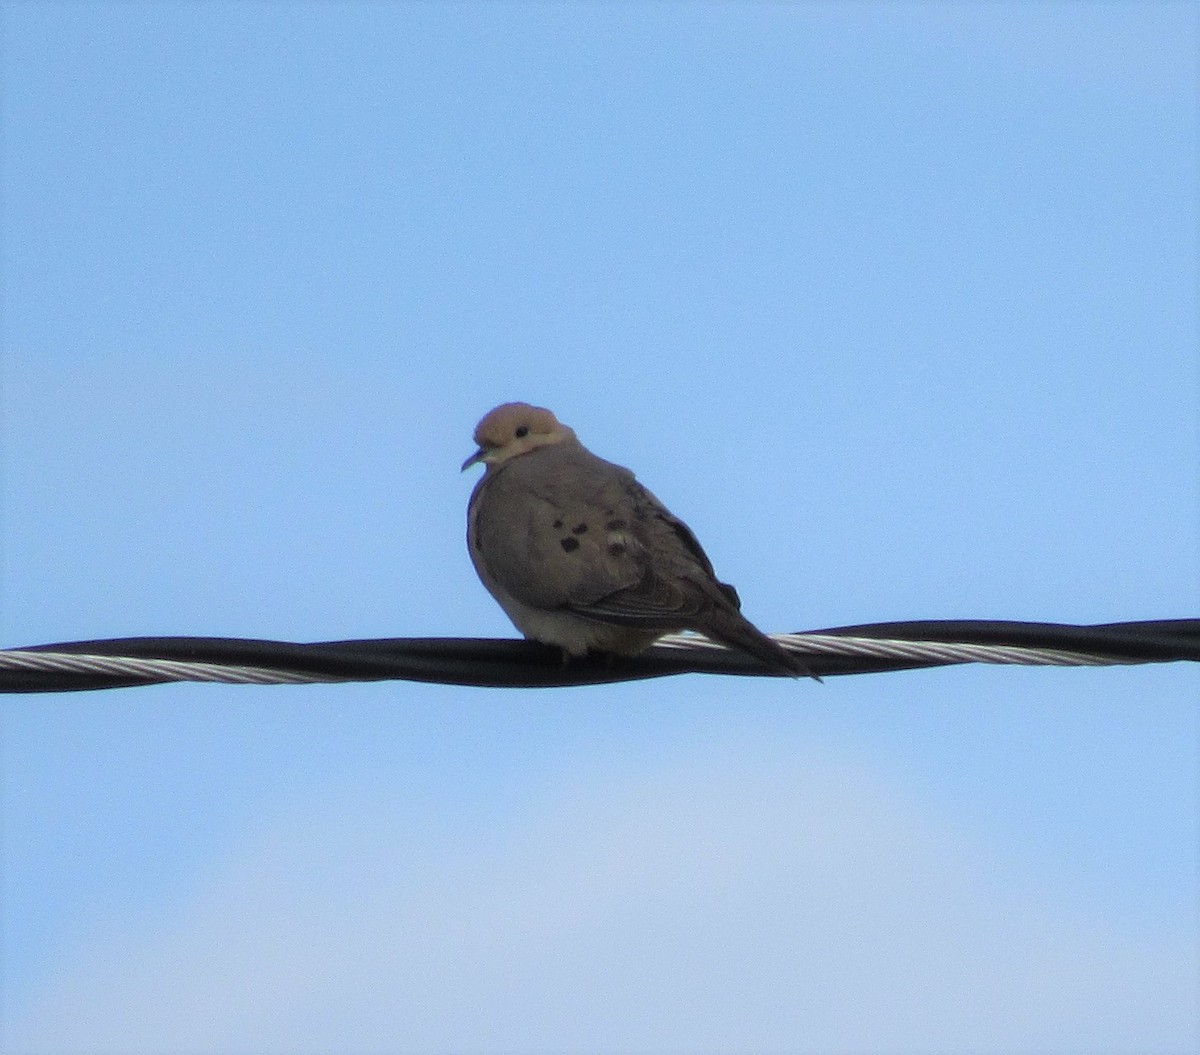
(580, 555)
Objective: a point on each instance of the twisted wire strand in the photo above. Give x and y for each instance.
(156, 669)
(872, 648)
(947, 653)
(954, 652)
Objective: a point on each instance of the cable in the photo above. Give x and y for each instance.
(866, 649)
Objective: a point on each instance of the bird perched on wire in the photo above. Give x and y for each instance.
(580, 555)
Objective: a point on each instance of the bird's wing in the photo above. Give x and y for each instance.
(561, 529)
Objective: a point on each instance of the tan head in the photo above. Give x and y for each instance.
(513, 429)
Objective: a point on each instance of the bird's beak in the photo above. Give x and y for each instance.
(475, 458)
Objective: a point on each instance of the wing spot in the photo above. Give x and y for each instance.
(557, 524)
(615, 549)
(568, 544)
(615, 525)
(579, 529)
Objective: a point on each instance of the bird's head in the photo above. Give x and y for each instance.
(513, 429)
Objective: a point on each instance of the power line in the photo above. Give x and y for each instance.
(866, 649)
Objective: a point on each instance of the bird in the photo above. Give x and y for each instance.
(583, 557)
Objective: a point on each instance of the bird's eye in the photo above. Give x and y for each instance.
(522, 431)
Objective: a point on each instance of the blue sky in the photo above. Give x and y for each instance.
(895, 304)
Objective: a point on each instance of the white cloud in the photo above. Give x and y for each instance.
(728, 902)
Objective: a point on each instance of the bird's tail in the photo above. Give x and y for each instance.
(735, 630)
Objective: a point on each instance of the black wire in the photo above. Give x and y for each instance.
(525, 664)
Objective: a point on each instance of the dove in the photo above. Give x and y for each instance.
(581, 556)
